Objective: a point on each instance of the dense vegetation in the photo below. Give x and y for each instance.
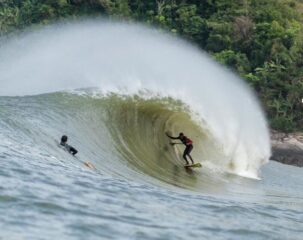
(262, 40)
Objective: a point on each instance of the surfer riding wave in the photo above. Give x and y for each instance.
(187, 142)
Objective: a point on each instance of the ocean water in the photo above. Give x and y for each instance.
(115, 100)
(134, 193)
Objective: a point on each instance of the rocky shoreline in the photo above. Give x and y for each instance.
(287, 148)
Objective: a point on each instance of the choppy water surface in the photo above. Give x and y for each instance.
(46, 193)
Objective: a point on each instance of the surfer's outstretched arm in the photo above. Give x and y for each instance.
(171, 136)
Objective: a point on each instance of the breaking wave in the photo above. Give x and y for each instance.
(145, 83)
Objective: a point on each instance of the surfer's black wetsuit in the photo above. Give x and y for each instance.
(69, 148)
(188, 143)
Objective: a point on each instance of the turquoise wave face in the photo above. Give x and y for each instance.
(123, 135)
(120, 135)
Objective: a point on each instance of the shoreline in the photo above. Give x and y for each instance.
(287, 148)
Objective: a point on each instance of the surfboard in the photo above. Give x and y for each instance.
(89, 165)
(195, 165)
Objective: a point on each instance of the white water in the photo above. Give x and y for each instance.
(127, 59)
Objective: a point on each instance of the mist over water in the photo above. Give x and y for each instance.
(130, 59)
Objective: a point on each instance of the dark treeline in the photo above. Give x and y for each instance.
(262, 40)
